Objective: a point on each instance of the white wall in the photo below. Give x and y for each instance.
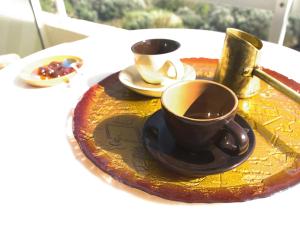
(18, 32)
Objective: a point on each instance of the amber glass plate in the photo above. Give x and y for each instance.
(108, 123)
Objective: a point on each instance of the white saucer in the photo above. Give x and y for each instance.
(131, 78)
(29, 77)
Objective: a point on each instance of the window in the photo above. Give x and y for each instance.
(292, 36)
(197, 14)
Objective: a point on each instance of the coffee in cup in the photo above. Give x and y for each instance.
(197, 112)
(157, 60)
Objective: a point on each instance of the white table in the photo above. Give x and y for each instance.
(42, 181)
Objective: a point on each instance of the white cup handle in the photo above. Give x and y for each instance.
(176, 70)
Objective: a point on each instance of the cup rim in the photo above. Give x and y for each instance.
(200, 120)
(252, 40)
(155, 39)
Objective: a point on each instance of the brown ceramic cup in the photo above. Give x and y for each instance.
(197, 113)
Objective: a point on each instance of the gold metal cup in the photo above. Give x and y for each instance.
(239, 57)
(238, 67)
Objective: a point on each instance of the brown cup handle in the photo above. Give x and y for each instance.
(237, 142)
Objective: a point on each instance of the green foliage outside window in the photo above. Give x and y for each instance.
(148, 19)
(48, 5)
(115, 9)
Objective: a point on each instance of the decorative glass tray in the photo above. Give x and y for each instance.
(108, 123)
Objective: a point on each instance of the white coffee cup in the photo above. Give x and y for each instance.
(157, 60)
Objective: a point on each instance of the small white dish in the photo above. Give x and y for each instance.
(131, 78)
(30, 76)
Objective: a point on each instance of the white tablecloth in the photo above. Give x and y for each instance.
(43, 181)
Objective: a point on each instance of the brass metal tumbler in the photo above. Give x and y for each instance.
(238, 67)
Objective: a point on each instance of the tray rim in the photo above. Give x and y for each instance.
(284, 179)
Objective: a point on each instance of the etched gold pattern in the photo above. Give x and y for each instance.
(108, 124)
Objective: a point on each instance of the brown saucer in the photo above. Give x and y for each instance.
(162, 146)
